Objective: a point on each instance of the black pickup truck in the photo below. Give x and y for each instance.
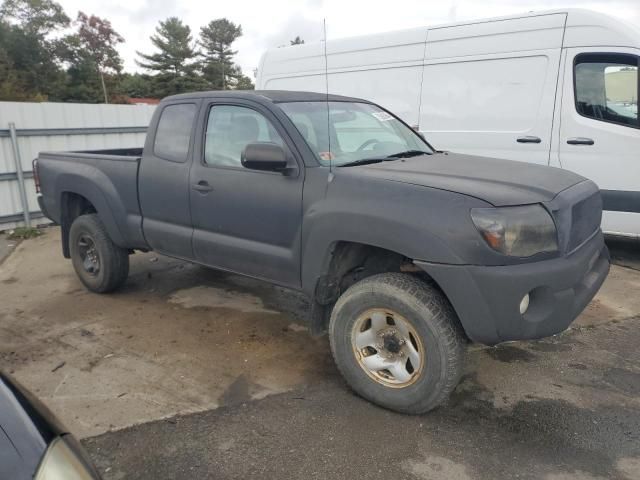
(406, 253)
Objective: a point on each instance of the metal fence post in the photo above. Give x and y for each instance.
(18, 162)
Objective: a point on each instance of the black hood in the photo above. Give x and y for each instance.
(499, 182)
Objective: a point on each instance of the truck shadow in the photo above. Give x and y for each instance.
(624, 251)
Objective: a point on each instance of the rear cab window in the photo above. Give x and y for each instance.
(606, 87)
(173, 134)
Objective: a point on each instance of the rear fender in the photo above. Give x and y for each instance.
(98, 190)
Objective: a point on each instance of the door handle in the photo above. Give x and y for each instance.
(580, 141)
(528, 139)
(202, 187)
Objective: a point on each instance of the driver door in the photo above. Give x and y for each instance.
(245, 221)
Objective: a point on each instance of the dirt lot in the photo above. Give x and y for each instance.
(192, 373)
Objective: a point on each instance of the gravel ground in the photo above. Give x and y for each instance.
(191, 373)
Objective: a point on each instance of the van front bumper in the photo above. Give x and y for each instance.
(487, 299)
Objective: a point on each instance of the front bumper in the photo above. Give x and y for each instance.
(487, 299)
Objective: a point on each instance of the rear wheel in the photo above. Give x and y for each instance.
(397, 342)
(100, 264)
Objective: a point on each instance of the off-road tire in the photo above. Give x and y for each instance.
(429, 312)
(114, 260)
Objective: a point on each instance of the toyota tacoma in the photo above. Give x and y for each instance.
(405, 252)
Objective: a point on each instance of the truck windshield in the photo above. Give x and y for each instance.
(354, 133)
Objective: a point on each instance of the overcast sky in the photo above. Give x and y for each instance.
(270, 23)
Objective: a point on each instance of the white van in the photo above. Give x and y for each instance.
(557, 88)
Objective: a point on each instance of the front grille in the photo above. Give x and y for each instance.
(586, 216)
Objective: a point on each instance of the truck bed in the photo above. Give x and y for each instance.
(117, 152)
(107, 178)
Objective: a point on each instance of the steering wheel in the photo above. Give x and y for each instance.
(371, 141)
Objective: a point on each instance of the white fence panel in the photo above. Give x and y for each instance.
(59, 127)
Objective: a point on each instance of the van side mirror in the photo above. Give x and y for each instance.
(265, 156)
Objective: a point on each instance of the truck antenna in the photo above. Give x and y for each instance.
(326, 84)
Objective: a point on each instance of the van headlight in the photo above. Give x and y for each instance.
(64, 460)
(517, 231)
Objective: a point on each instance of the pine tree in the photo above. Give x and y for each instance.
(175, 61)
(217, 63)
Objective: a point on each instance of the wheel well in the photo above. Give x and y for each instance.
(72, 206)
(349, 263)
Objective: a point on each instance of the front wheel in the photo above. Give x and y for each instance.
(101, 265)
(397, 342)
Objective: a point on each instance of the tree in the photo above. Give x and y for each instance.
(175, 62)
(244, 83)
(38, 62)
(9, 83)
(92, 59)
(98, 40)
(217, 64)
(36, 17)
(82, 84)
(136, 85)
(27, 28)
(297, 41)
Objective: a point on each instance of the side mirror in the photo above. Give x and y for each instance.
(264, 156)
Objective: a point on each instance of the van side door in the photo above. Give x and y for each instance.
(163, 179)
(600, 131)
(245, 221)
(489, 87)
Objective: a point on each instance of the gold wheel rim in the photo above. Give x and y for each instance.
(387, 348)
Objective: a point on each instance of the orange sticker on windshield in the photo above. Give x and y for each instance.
(382, 116)
(326, 156)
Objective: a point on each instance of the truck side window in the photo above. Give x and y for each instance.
(173, 134)
(606, 87)
(230, 129)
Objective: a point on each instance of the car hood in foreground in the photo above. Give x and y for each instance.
(26, 429)
(499, 182)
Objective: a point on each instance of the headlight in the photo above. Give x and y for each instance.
(517, 231)
(64, 460)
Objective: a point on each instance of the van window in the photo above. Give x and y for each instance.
(606, 88)
(173, 134)
(230, 129)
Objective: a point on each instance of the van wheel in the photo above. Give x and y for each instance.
(101, 265)
(397, 342)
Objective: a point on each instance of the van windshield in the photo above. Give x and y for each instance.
(353, 133)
